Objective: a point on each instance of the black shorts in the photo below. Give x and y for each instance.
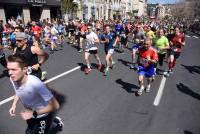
(37, 73)
(92, 51)
(39, 125)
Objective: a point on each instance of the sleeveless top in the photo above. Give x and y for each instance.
(30, 58)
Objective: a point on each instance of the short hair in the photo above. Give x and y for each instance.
(19, 59)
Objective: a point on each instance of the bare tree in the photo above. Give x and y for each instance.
(187, 9)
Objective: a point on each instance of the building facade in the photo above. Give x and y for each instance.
(157, 11)
(110, 9)
(96, 9)
(27, 10)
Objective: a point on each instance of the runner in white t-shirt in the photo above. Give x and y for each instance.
(91, 48)
(37, 100)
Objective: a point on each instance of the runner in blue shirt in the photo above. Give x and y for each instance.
(109, 40)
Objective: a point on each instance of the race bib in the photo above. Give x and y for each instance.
(144, 62)
(174, 48)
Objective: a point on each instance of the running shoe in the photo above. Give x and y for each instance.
(148, 88)
(112, 65)
(168, 73)
(44, 73)
(140, 90)
(132, 66)
(81, 50)
(99, 66)
(59, 123)
(106, 73)
(87, 70)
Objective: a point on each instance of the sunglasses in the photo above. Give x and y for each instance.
(19, 40)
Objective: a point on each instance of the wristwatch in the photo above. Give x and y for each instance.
(35, 114)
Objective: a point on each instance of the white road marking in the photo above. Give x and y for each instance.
(47, 81)
(195, 37)
(61, 75)
(160, 91)
(187, 36)
(6, 100)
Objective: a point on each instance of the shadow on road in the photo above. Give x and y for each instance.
(187, 132)
(126, 63)
(75, 46)
(127, 86)
(192, 69)
(83, 66)
(183, 88)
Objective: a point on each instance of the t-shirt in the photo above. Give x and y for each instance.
(90, 41)
(33, 94)
(111, 37)
(177, 40)
(147, 54)
(150, 34)
(161, 43)
(36, 31)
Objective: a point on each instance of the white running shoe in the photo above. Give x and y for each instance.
(44, 74)
(59, 123)
(140, 90)
(148, 88)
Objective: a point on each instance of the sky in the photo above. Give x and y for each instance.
(162, 1)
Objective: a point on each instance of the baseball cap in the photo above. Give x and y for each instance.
(20, 36)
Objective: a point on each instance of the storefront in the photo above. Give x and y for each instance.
(29, 9)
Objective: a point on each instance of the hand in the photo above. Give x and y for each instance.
(35, 67)
(26, 114)
(148, 58)
(12, 111)
(180, 41)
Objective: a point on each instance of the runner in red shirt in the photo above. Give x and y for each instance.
(177, 42)
(36, 31)
(146, 59)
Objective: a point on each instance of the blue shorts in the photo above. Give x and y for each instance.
(135, 46)
(146, 71)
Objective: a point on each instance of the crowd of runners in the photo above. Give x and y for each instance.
(155, 46)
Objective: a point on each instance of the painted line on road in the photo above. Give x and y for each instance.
(6, 100)
(195, 37)
(63, 74)
(160, 91)
(187, 36)
(47, 81)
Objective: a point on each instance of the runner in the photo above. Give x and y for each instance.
(31, 54)
(37, 100)
(2, 57)
(91, 48)
(109, 39)
(138, 39)
(177, 42)
(36, 32)
(161, 45)
(146, 59)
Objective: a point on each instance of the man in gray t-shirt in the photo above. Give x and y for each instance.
(37, 100)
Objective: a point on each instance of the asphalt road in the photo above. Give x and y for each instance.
(95, 104)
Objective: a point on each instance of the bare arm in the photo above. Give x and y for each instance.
(43, 55)
(13, 107)
(53, 105)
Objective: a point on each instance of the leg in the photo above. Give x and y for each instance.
(141, 84)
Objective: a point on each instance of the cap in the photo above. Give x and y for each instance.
(20, 36)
